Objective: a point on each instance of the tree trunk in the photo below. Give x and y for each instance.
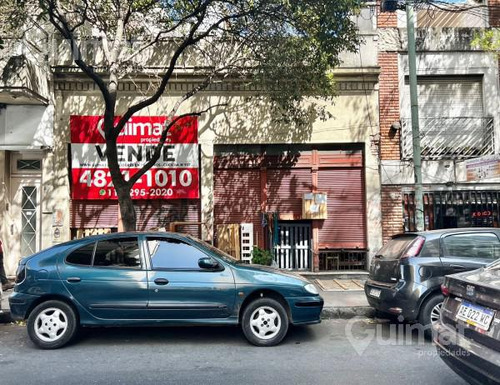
(127, 210)
(121, 186)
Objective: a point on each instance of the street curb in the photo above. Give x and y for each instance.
(347, 312)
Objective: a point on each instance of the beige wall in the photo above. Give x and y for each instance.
(355, 120)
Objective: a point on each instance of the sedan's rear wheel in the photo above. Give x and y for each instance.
(52, 324)
(265, 322)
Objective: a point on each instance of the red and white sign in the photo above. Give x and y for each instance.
(174, 176)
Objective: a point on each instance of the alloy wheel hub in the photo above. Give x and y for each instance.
(51, 324)
(265, 322)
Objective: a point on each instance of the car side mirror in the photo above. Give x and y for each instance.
(208, 263)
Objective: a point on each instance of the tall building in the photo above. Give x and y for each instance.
(458, 115)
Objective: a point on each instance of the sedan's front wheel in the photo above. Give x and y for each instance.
(265, 322)
(52, 324)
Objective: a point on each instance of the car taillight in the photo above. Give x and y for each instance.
(415, 248)
(21, 273)
(445, 290)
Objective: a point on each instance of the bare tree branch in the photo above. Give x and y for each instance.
(157, 152)
(190, 40)
(61, 24)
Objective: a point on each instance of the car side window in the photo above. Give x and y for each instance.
(472, 245)
(430, 249)
(118, 253)
(81, 256)
(173, 254)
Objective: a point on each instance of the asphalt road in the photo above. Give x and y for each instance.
(334, 352)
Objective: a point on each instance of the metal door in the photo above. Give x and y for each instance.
(24, 226)
(293, 248)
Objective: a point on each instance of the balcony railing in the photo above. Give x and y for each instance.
(450, 138)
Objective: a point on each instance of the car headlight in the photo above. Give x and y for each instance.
(310, 288)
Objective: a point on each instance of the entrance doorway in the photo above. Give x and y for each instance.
(293, 247)
(24, 231)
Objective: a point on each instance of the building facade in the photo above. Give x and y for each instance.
(251, 172)
(458, 114)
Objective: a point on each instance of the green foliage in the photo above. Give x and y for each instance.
(487, 40)
(261, 256)
(285, 49)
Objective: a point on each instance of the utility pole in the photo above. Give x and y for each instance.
(415, 129)
(391, 6)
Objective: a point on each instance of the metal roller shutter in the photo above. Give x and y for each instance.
(286, 188)
(160, 213)
(448, 96)
(93, 214)
(346, 223)
(237, 197)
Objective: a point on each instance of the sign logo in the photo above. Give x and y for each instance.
(174, 176)
(470, 290)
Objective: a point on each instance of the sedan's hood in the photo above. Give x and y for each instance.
(273, 270)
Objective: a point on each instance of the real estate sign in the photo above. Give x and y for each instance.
(486, 167)
(174, 176)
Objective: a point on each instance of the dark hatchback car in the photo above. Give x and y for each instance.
(468, 335)
(155, 279)
(406, 274)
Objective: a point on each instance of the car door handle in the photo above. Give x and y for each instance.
(161, 281)
(74, 279)
(457, 266)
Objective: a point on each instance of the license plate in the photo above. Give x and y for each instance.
(375, 293)
(474, 315)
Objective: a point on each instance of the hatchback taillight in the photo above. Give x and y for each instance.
(415, 248)
(21, 273)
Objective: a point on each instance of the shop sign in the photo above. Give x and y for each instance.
(174, 176)
(486, 167)
(479, 214)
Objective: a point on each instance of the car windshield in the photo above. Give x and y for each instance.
(221, 254)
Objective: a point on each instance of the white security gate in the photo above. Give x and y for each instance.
(246, 235)
(293, 247)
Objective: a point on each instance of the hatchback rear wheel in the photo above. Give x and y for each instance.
(52, 324)
(430, 313)
(265, 322)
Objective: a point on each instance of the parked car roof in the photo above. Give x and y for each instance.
(447, 231)
(129, 233)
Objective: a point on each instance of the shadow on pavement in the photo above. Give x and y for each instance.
(181, 335)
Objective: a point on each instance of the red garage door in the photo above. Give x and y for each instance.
(285, 188)
(93, 214)
(150, 214)
(237, 197)
(160, 213)
(345, 226)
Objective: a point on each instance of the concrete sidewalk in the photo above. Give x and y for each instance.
(338, 304)
(346, 304)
